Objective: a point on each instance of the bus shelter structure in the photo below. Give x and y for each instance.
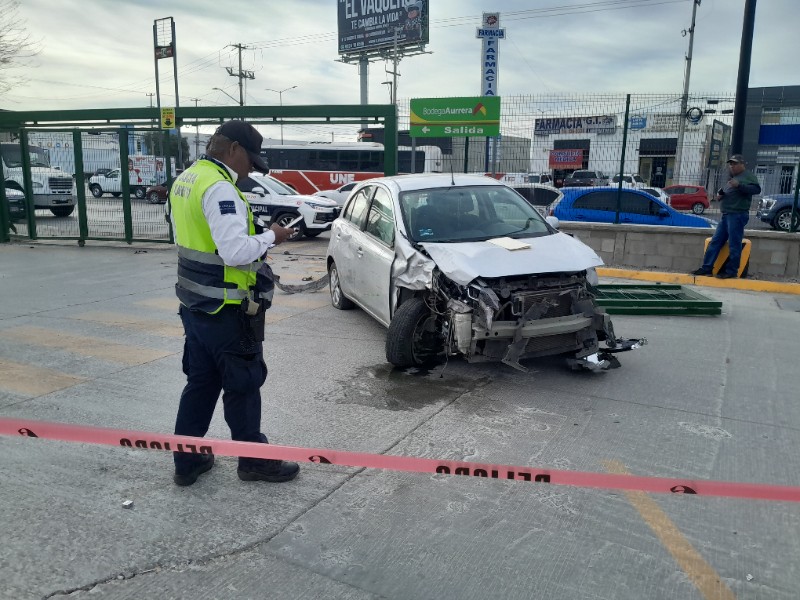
(127, 123)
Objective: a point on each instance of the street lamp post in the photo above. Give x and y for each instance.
(239, 102)
(280, 100)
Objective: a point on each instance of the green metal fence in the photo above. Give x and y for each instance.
(84, 175)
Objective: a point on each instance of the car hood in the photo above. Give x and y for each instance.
(558, 253)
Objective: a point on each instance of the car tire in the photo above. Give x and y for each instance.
(698, 208)
(96, 190)
(139, 192)
(312, 233)
(783, 220)
(283, 219)
(338, 299)
(62, 211)
(410, 341)
(153, 198)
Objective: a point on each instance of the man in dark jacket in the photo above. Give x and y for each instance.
(735, 200)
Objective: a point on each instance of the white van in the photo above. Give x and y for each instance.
(52, 188)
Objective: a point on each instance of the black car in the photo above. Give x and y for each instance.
(16, 205)
(582, 178)
(776, 210)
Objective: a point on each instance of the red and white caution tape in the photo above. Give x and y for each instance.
(181, 443)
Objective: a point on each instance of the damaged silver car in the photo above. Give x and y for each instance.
(463, 265)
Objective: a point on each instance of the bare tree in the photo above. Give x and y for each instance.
(16, 45)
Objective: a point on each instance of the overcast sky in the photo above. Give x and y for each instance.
(98, 53)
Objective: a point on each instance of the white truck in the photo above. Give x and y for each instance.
(52, 188)
(143, 171)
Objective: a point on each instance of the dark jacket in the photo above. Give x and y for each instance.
(738, 199)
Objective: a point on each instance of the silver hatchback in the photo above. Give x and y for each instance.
(463, 265)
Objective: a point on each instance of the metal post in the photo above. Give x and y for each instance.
(158, 88)
(126, 184)
(177, 100)
(743, 79)
(394, 72)
(363, 76)
(27, 182)
(676, 175)
(622, 157)
(466, 155)
(5, 214)
(80, 186)
(390, 144)
(795, 222)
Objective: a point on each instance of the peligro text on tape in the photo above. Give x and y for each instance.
(182, 443)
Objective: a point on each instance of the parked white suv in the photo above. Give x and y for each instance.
(276, 202)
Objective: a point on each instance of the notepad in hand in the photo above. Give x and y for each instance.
(509, 243)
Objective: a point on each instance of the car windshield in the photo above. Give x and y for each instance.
(273, 185)
(12, 156)
(469, 213)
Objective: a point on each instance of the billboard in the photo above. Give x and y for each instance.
(366, 25)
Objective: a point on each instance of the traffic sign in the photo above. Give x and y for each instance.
(167, 118)
(477, 116)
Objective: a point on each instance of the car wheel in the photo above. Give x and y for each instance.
(283, 219)
(153, 198)
(413, 337)
(698, 208)
(783, 220)
(62, 211)
(313, 232)
(337, 296)
(139, 193)
(96, 190)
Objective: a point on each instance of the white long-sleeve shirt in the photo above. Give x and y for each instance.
(226, 215)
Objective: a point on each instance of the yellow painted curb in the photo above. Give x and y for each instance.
(752, 285)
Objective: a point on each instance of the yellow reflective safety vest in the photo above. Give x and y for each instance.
(205, 282)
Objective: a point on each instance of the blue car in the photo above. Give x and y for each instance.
(599, 205)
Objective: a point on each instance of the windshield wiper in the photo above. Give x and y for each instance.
(527, 225)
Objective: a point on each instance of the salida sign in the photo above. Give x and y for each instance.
(477, 116)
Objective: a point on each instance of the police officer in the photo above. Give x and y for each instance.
(224, 286)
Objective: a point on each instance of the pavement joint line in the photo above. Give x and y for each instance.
(753, 285)
(704, 577)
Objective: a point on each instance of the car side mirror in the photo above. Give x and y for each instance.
(663, 212)
(259, 190)
(552, 221)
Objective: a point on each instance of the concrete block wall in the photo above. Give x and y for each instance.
(680, 249)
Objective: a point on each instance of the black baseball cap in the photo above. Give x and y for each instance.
(736, 158)
(248, 138)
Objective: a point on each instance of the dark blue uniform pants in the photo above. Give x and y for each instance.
(220, 354)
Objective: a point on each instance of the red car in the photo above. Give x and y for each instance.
(687, 197)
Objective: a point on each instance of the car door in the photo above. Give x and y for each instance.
(592, 207)
(677, 197)
(639, 208)
(113, 182)
(374, 256)
(347, 238)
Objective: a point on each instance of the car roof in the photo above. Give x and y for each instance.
(406, 183)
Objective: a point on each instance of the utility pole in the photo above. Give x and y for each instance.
(676, 171)
(196, 131)
(242, 75)
(151, 94)
(743, 78)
